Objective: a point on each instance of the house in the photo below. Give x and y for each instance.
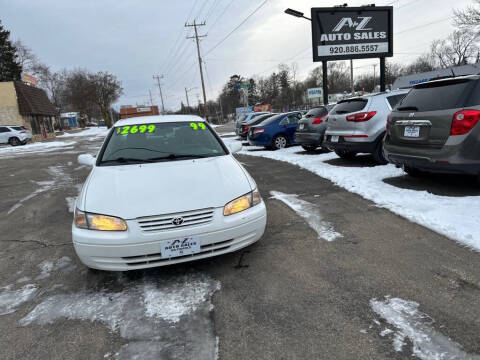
(29, 106)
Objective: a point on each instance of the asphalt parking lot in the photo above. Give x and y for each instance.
(292, 295)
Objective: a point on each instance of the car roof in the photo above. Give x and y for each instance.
(384, 93)
(154, 119)
(447, 79)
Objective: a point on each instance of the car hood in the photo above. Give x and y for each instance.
(131, 191)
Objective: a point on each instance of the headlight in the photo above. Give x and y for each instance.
(242, 203)
(98, 222)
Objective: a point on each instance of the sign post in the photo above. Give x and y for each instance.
(346, 33)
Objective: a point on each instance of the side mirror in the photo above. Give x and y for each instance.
(86, 159)
(235, 146)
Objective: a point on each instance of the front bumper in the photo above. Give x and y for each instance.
(132, 249)
(306, 138)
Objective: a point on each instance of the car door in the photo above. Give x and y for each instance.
(4, 134)
(291, 126)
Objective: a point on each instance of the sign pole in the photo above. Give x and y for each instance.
(325, 82)
(382, 74)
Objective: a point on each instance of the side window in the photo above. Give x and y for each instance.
(395, 99)
(284, 121)
(4, 129)
(293, 119)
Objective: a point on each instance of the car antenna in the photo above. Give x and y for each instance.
(451, 69)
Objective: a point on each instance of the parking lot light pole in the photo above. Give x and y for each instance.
(296, 14)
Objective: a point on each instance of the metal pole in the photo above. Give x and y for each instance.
(325, 82)
(374, 76)
(351, 77)
(186, 94)
(382, 74)
(151, 101)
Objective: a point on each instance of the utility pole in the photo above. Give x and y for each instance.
(151, 101)
(351, 77)
(196, 37)
(186, 94)
(374, 78)
(159, 77)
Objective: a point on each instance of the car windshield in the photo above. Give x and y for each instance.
(271, 120)
(242, 117)
(349, 106)
(18, 128)
(259, 119)
(170, 141)
(316, 112)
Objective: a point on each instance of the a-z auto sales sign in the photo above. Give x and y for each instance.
(341, 33)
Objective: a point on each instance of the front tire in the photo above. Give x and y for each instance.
(279, 142)
(345, 154)
(14, 141)
(309, 148)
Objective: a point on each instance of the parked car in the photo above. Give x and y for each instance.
(435, 128)
(276, 132)
(14, 135)
(311, 128)
(245, 126)
(121, 223)
(247, 118)
(357, 125)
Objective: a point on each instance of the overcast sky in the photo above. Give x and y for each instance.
(136, 39)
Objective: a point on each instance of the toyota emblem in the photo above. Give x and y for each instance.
(177, 221)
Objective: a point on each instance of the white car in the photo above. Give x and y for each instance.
(14, 135)
(164, 190)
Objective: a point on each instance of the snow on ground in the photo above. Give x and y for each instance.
(46, 267)
(37, 147)
(311, 214)
(155, 317)
(71, 203)
(60, 179)
(455, 217)
(428, 344)
(92, 132)
(10, 299)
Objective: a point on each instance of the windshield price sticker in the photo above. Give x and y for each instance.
(136, 129)
(199, 125)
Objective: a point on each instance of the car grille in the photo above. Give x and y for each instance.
(165, 222)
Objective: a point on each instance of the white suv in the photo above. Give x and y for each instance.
(14, 135)
(357, 125)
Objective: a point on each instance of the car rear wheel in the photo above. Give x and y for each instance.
(309, 147)
(279, 142)
(378, 154)
(345, 154)
(14, 141)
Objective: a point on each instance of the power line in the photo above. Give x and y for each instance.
(231, 32)
(423, 25)
(220, 17)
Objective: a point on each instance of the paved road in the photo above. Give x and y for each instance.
(293, 295)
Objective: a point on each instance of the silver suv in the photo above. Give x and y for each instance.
(14, 135)
(357, 125)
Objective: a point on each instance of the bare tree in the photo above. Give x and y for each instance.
(25, 56)
(459, 48)
(468, 17)
(107, 89)
(422, 63)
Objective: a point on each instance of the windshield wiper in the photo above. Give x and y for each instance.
(412, 108)
(125, 160)
(177, 156)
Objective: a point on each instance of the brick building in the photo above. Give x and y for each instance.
(29, 106)
(128, 111)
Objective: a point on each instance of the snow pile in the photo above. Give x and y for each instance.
(152, 316)
(91, 132)
(11, 299)
(455, 217)
(310, 213)
(38, 147)
(428, 344)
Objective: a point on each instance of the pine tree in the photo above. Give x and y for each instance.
(10, 69)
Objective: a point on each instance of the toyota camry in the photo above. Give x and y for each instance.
(164, 190)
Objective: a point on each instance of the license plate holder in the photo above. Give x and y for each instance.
(301, 126)
(334, 138)
(411, 131)
(180, 247)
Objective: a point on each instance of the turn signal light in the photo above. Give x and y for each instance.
(464, 121)
(363, 116)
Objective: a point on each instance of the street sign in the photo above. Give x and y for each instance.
(313, 93)
(243, 86)
(340, 33)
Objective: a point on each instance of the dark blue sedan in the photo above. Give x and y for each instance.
(275, 132)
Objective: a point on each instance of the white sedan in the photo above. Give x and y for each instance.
(164, 190)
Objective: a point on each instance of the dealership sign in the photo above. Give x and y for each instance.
(314, 93)
(341, 33)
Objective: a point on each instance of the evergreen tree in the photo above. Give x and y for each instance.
(10, 69)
